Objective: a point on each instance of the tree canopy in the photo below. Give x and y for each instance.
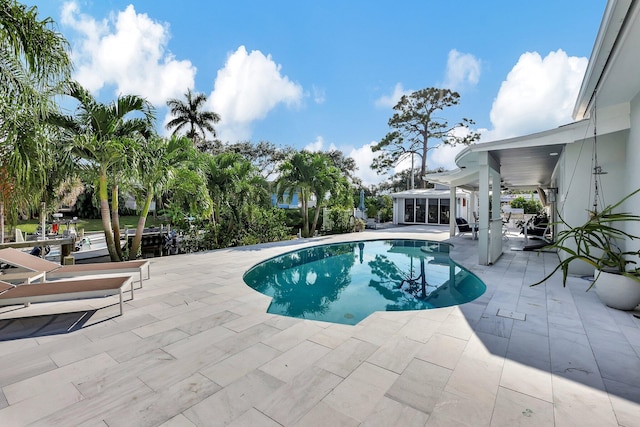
(33, 62)
(106, 136)
(310, 175)
(190, 114)
(264, 155)
(414, 126)
(113, 148)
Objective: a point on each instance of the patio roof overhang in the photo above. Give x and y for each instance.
(614, 59)
(525, 162)
(418, 192)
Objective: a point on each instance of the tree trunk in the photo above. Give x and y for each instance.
(423, 166)
(1, 222)
(142, 219)
(103, 192)
(315, 220)
(43, 222)
(115, 222)
(305, 218)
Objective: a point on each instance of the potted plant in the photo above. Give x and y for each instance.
(616, 277)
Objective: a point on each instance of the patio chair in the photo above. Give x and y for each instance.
(464, 227)
(54, 270)
(537, 227)
(65, 290)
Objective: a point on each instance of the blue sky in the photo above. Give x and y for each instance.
(322, 75)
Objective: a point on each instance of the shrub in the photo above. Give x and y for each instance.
(529, 206)
(341, 220)
(379, 207)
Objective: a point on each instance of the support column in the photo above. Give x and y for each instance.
(453, 213)
(483, 226)
(489, 178)
(495, 243)
(396, 207)
(473, 204)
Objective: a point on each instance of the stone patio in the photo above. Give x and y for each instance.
(197, 348)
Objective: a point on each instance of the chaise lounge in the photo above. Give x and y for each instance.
(65, 290)
(54, 270)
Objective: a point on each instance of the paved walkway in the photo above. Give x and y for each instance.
(196, 347)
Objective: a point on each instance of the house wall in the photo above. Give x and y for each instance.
(632, 170)
(575, 181)
(399, 208)
(287, 202)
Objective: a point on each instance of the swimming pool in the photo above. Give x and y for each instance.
(346, 282)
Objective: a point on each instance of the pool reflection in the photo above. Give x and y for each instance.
(344, 283)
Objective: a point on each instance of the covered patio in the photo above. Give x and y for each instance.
(530, 163)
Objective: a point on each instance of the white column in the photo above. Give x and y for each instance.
(489, 177)
(483, 198)
(453, 213)
(495, 243)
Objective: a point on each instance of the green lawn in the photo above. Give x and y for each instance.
(90, 225)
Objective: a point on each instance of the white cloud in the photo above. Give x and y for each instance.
(129, 50)
(318, 95)
(405, 164)
(538, 94)
(363, 157)
(318, 145)
(444, 155)
(391, 100)
(463, 69)
(246, 89)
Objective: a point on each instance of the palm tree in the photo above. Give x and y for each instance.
(157, 162)
(104, 137)
(189, 114)
(33, 61)
(328, 180)
(309, 174)
(236, 187)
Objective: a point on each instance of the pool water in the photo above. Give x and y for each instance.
(346, 282)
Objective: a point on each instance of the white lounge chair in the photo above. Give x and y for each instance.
(56, 271)
(20, 277)
(65, 290)
(4, 286)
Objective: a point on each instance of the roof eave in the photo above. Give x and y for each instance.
(612, 22)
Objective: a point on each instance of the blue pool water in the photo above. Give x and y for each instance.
(346, 282)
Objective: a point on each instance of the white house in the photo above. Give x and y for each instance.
(429, 206)
(605, 135)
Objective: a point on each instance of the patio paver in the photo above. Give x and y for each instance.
(196, 347)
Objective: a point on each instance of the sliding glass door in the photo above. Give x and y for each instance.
(409, 210)
(427, 211)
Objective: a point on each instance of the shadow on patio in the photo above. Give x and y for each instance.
(558, 344)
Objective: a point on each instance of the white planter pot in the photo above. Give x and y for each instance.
(618, 291)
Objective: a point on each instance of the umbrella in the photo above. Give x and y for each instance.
(361, 207)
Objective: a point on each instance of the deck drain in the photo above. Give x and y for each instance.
(511, 314)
